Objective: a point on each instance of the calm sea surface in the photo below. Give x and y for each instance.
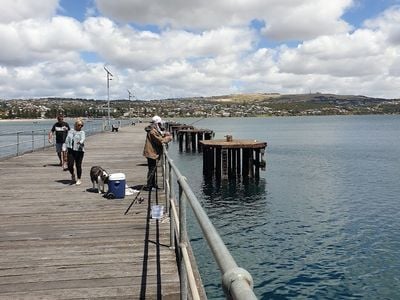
(324, 220)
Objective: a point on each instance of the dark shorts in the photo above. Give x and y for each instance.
(61, 147)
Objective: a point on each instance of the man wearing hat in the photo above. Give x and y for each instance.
(155, 138)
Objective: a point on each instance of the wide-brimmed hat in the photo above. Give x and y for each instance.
(156, 119)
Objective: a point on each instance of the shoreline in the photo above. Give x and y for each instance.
(37, 120)
(24, 120)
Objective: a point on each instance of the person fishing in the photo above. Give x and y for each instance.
(155, 138)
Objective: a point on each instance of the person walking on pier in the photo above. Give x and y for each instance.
(75, 142)
(155, 138)
(60, 128)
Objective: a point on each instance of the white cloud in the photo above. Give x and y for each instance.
(339, 55)
(388, 24)
(31, 41)
(18, 10)
(285, 19)
(128, 47)
(60, 79)
(306, 19)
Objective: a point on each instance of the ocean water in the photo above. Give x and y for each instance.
(323, 222)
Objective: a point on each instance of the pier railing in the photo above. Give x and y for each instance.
(236, 282)
(15, 143)
(24, 141)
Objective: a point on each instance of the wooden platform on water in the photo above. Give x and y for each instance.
(231, 157)
(62, 241)
(234, 144)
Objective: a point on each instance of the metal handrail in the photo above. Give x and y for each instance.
(236, 281)
(36, 143)
(33, 141)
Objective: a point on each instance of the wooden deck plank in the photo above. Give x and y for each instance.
(62, 241)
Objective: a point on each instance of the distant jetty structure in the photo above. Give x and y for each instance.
(193, 138)
(188, 136)
(174, 128)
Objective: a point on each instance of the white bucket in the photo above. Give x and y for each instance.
(157, 211)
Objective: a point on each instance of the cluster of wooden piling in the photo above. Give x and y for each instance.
(174, 128)
(188, 136)
(231, 158)
(228, 158)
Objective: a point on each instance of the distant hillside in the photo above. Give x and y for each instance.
(292, 98)
(252, 97)
(324, 98)
(236, 105)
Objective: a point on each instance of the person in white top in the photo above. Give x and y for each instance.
(75, 142)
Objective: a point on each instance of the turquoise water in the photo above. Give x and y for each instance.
(324, 220)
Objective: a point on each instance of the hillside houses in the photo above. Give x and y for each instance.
(287, 105)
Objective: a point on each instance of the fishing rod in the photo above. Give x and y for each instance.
(198, 120)
(141, 189)
(134, 200)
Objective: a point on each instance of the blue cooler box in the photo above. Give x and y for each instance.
(116, 185)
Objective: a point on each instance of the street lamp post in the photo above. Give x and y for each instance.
(108, 93)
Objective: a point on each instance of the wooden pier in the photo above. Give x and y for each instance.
(62, 241)
(230, 158)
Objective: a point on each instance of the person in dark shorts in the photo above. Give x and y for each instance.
(60, 128)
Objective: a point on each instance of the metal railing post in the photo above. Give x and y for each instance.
(33, 141)
(165, 179)
(182, 243)
(18, 143)
(171, 197)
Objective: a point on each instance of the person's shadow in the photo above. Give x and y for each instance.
(137, 187)
(64, 181)
(51, 165)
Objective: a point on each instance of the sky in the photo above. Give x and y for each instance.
(188, 48)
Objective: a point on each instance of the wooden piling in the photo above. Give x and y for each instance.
(233, 158)
(192, 137)
(175, 128)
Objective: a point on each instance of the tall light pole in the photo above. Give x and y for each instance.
(130, 94)
(108, 92)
